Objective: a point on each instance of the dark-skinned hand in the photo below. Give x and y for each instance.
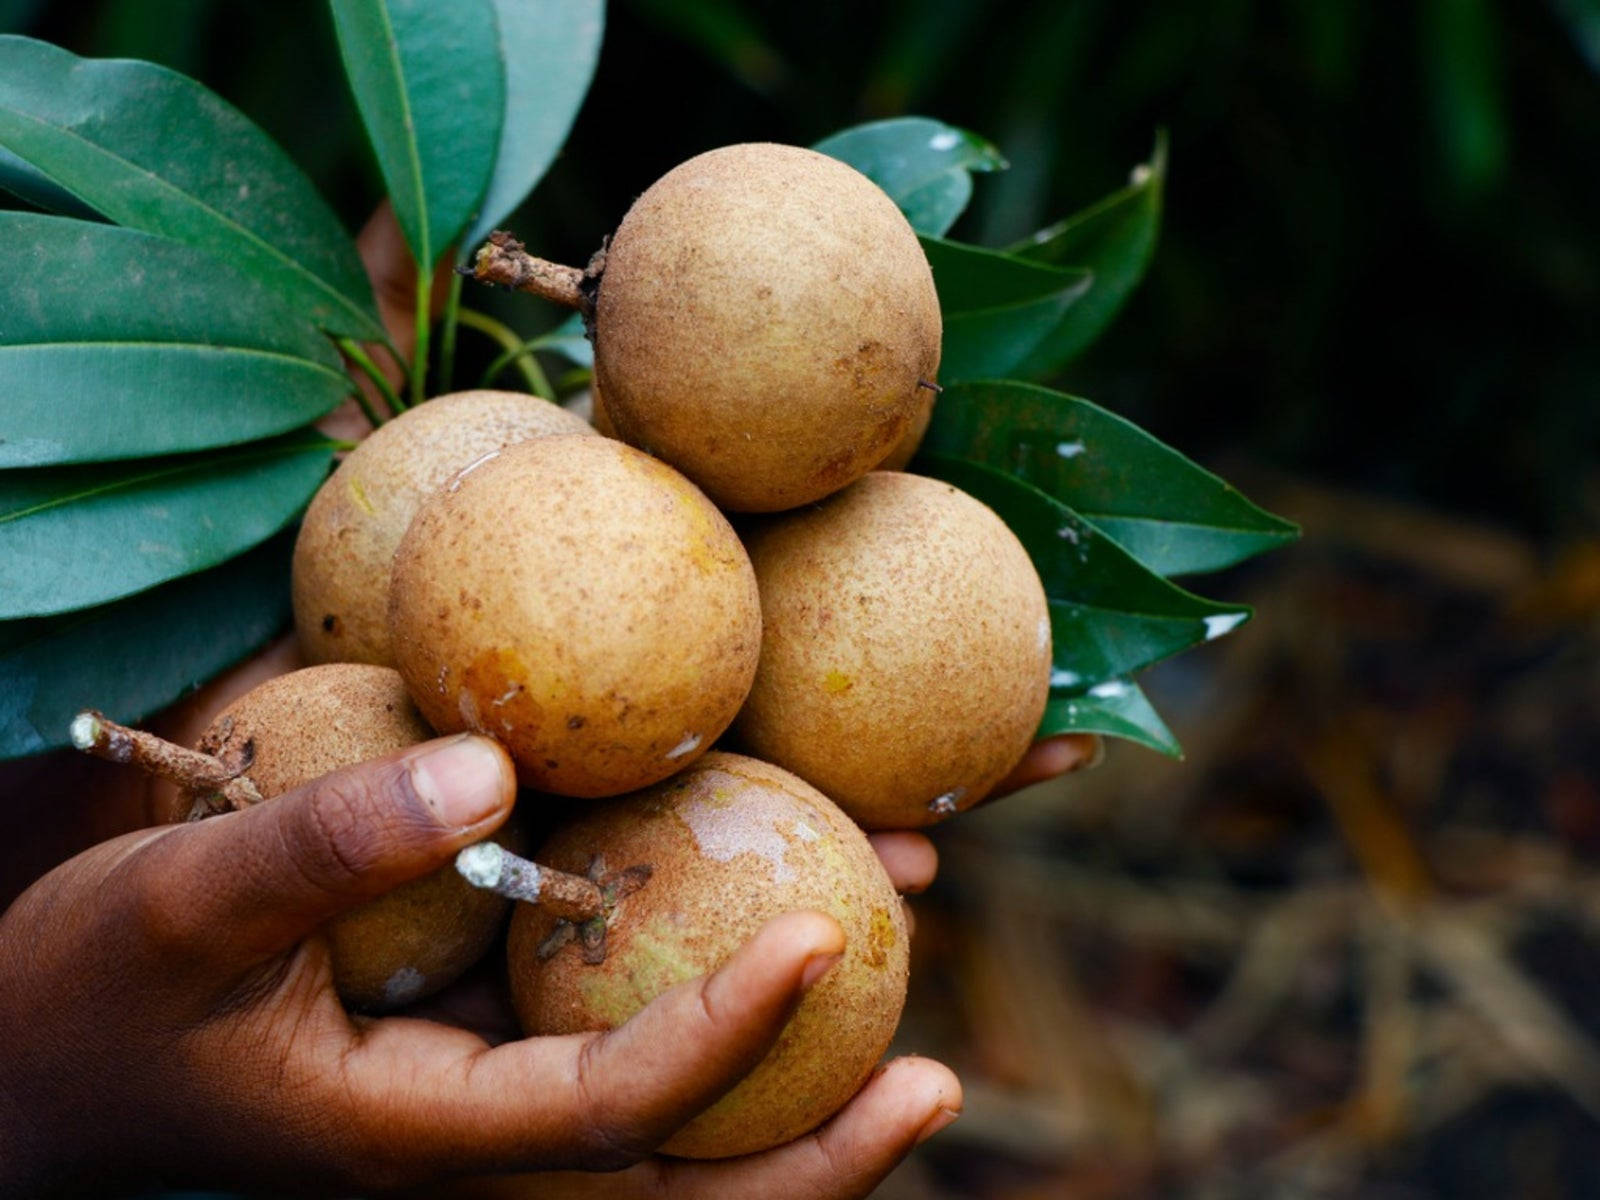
(170, 1015)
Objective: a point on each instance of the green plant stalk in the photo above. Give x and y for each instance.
(353, 351)
(419, 358)
(515, 349)
(447, 334)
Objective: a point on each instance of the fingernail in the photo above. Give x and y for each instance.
(462, 781)
(1096, 756)
(940, 1120)
(816, 966)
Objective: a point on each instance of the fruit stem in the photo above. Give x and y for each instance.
(496, 869)
(502, 260)
(96, 734)
(363, 360)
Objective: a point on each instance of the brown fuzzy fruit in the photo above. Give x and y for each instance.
(348, 538)
(905, 657)
(581, 603)
(766, 322)
(409, 942)
(731, 843)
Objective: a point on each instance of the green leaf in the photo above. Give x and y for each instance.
(997, 309)
(431, 88)
(119, 344)
(570, 340)
(1172, 515)
(1114, 239)
(71, 537)
(1109, 615)
(134, 657)
(924, 165)
(38, 189)
(1117, 708)
(153, 150)
(549, 48)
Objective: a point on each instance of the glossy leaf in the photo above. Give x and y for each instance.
(549, 48)
(71, 537)
(1113, 239)
(1172, 515)
(119, 344)
(153, 150)
(924, 165)
(1117, 708)
(136, 656)
(38, 189)
(997, 309)
(1109, 615)
(431, 88)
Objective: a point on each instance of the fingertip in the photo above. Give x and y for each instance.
(804, 934)
(910, 859)
(463, 781)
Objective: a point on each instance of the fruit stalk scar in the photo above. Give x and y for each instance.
(502, 260)
(496, 869)
(96, 734)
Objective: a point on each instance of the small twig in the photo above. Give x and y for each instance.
(496, 869)
(96, 734)
(502, 260)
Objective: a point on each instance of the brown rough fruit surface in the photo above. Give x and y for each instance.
(905, 657)
(908, 445)
(583, 604)
(764, 317)
(348, 538)
(409, 942)
(732, 843)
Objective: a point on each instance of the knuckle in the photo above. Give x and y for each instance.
(610, 1141)
(333, 836)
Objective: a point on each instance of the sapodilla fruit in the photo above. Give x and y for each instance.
(348, 538)
(294, 728)
(730, 843)
(905, 657)
(583, 604)
(765, 321)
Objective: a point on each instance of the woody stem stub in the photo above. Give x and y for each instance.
(496, 869)
(502, 260)
(95, 733)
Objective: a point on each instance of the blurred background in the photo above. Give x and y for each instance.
(1350, 945)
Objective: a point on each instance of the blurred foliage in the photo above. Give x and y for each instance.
(1379, 263)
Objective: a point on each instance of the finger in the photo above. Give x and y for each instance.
(1049, 758)
(909, 858)
(908, 1101)
(598, 1101)
(246, 886)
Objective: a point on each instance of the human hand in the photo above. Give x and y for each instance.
(176, 1021)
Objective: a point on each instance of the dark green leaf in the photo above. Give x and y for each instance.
(549, 48)
(1109, 615)
(925, 166)
(1114, 240)
(136, 656)
(119, 344)
(71, 537)
(1172, 515)
(431, 88)
(1116, 707)
(153, 150)
(38, 189)
(997, 309)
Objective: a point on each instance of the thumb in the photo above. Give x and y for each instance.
(273, 873)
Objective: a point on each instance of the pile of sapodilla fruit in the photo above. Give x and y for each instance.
(874, 644)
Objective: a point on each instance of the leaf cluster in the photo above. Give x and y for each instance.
(176, 307)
